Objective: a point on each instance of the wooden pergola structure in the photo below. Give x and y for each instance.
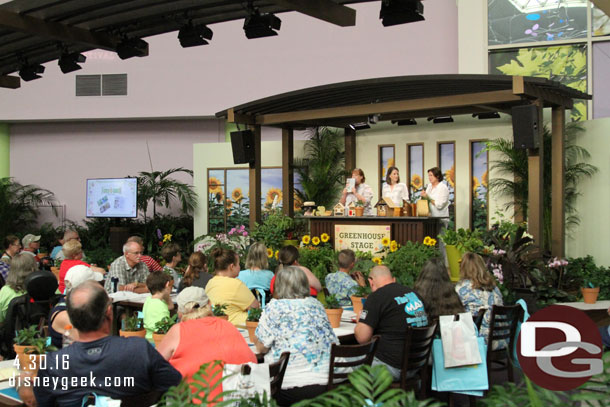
(406, 97)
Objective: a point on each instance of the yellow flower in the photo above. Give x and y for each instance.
(306, 239)
(272, 193)
(485, 179)
(167, 238)
(214, 185)
(385, 241)
(427, 240)
(269, 253)
(376, 260)
(324, 237)
(450, 176)
(416, 181)
(390, 162)
(315, 240)
(432, 242)
(237, 195)
(393, 246)
(475, 184)
(220, 196)
(276, 255)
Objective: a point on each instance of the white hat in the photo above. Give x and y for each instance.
(78, 274)
(29, 238)
(192, 294)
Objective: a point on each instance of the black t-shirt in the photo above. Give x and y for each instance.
(111, 366)
(389, 311)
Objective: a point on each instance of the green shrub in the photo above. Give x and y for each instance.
(406, 262)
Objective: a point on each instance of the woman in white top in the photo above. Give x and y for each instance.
(437, 194)
(361, 192)
(393, 188)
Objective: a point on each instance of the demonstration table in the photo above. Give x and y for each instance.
(598, 312)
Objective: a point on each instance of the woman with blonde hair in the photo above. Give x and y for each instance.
(22, 265)
(477, 289)
(257, 273)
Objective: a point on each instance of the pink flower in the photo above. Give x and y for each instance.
(245, 233)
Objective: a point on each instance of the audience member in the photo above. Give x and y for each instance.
(257, 273)
(31, 244)
(22, 265)
(69, 234)
(437, 291)
(149, 261)
(57, 248)
(477, 289)
(172, 256)
(11, 247)
(101, 358)
(201, 338)
(131, 273)
(289, 256)
(196, 274)
(157, 306)
(388, 311)
(4, 269)
(340, 283)
(225, 289)
(295, 322)
(73, 252)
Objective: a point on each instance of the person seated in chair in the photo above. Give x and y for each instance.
(340, 283)
(388, 311)
(100, 358)
(129, 270)
(22, 265)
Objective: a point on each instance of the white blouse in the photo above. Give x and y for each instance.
(367, 193)
(440, 196)
(397, 195)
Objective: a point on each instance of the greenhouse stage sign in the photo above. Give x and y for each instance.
(366, 238)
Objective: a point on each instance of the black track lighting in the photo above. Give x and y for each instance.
(259, 25)
(487, 115)
(441, 119)
(70, 62)
(395, 12)
(194, 35)
(405, 122)
(359, 126)
(132, 47)
(31, 72)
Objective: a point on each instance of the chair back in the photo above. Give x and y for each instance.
(41, 285)
(351, 356)
(503, 325)
(19, 315)
(263, 296)
(416, 352)
(276, 373)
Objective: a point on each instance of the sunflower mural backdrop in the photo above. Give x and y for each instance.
(416, 171)
(480, 174)
(216, 207)
(386, 155)
(446, 153)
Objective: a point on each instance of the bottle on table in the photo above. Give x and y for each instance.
(67, 338)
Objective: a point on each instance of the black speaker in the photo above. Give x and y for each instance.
(525, 126)
(242, 143)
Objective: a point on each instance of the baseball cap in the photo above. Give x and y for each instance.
(191, 294)
(78, 274)
(29, 238)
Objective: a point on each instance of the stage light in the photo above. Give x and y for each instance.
(405, 122)
(359, 126)
(70, 62)
(373, 118)
(395, 12)
(133, 47)
(194, 35)
(487, 115)
(259, 25)
(31, 72)
(441, 119)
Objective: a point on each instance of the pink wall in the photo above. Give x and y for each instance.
(177, 82)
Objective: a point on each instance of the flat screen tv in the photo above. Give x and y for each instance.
(112, 198)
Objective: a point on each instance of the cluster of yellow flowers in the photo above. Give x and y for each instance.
(324, 237)
(167, 238)
(428, 241)
(270, 253)
(386, 242)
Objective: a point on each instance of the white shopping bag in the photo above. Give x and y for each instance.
(254, 384)
(459, 338)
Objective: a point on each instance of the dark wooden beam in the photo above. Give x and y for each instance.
(350, 149)
(558, 182)
(233, 117)
(535, 206)
(255, 179)
(288, 172)
(56, 31)
(10, 82)
(325, 10)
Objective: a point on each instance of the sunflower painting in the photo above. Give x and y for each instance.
(446, 154)
(216, 208)
(386, 154)
(415, 164)
(480, 178)
(237, 195)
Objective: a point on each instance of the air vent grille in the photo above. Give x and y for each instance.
(88, 85)
(114, 85)
(101, 85)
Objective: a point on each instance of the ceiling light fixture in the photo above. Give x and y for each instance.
(359, 126)
(487, 115)
(395, 12)
(441, 119)
(70, 62)
(31, 72)
(259, 25)
(405, 122)
(194, 35)
(132, 47)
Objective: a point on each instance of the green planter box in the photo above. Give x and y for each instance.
(453, 257)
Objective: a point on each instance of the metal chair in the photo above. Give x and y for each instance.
(277, 371)
(353, 356)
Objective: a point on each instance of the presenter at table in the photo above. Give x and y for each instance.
(393, 188)
(437, 194)
(360, 192)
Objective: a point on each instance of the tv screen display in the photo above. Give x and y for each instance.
(112, 198)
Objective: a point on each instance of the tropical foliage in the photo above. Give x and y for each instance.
(276, 228)
(158, 188)
(407, 261)
(317, 254)
(322, 169)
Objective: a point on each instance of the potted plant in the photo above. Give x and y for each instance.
(458, 243)
(359, 208)
(276, 231)
(162, 327)
(29, 346)
(333, 309)
(218, 310)
(133, 326)
(590, 292)
(358, 298)
(254, 315)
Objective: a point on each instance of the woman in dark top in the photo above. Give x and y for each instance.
(196, 274)
(437, 291)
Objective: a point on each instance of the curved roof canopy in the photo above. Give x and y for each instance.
(400, 97)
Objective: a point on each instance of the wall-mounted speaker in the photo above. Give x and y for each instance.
(242, 143)
(526, 132)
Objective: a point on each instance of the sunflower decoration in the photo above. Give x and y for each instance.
(269, 252)
(450, 176)
(416, 181)
(377, 260)
(390, 162)
(272, 194)
(485, 179)
(393, 246)
(277, 254)
(167, 237)
(214, 185)
(385, 241)
(237, 195)
(220, 196)
(324, 237)
(428, 241)
(306, 239)
(475, 185)
(315, 240)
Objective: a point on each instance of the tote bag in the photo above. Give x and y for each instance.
(459, 339)
(471, 380)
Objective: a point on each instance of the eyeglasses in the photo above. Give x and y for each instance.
(136, 253)
(16, 244)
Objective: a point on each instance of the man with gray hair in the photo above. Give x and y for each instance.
(69, 234)
(106, 365)
(388, 311)
(130, 272)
